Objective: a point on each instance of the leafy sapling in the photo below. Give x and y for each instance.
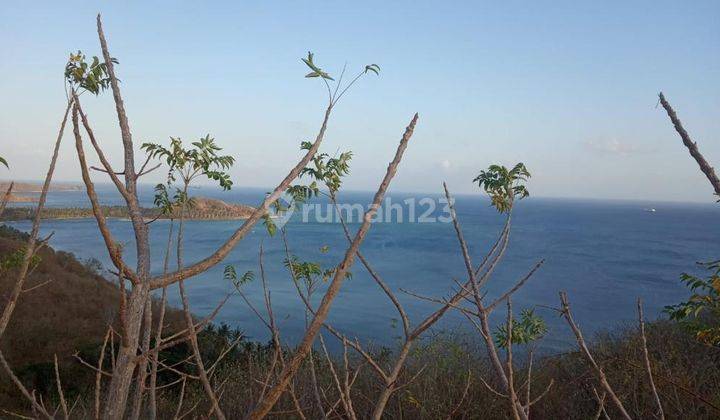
(200, 160)
(310, 273)
(527, 330)
(82, 76)
(701, 312)
(503, 185)
(230, 274)
(324, 169)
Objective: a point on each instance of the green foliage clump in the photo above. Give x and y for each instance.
(310, 273)
(701, 312)
(503, 185)
(529, 328)
(91, 77)
(201, 159)
(230, 274)
(14, 260)
(325, 169)
(316, 71)
(328, 170)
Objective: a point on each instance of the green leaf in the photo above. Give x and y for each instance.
(269, 225)
(503, 185)
(373, 68)
(316, 71)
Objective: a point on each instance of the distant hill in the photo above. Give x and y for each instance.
(66, 308)
(36, 187)
(15, 198)
(203, 209)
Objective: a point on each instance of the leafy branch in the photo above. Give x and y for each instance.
(91, 77)
(333, 95)
(529, 328)
(702, 310)
(503, 185)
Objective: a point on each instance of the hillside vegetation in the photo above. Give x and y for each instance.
(69, 305)
(203, 208)
(66, 307)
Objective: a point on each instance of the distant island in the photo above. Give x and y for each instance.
(36, 187)
(28, 192)
(15, 198)
(203, 209)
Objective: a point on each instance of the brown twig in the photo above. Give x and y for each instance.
(61, 396)
(98, 376)
(6, 198)
(601, 405)
(334, 287)
(110, 242)
(30, 247)
(646, 358)
(202, 373)
(119, 387)
(484, 325)
(246, 227)
(691, 146)
(567, 314)
(514, 401)
(343, 393)
(38, 407)
(462, 397)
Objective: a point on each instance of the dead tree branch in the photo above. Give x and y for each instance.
(705, 167)
(567, 314)
(339, 276)
(646, 358)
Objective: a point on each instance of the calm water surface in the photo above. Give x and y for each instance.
(605, 254)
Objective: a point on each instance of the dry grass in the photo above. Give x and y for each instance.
(72, 311)
(67, 308)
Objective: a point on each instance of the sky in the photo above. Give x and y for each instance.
(568, 88)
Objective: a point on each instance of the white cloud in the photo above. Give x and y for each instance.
(612, 146)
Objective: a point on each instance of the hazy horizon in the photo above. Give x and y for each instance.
(391, 191)
(568, 89)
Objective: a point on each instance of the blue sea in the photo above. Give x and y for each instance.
(604, 254)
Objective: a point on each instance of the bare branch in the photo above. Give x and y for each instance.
(126, 361)
(106, 164)
(30, 248)
(37, 286)
(6, 198)
(601, 405)
(542, 394)
(646, 358)
(341, 271)
(247, 226)
(63, 403)
(373, 273)
(120, 108)
(514, 402)
(515, 288)
(181, 398)
(30, 397)
(98, 377)
(202, 373)
(586, 352)
(691, 146)
(339, 387)
(110, 242)
(462, 398)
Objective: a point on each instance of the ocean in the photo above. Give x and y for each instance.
(604, 254)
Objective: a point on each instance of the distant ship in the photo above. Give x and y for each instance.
(651, 210)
